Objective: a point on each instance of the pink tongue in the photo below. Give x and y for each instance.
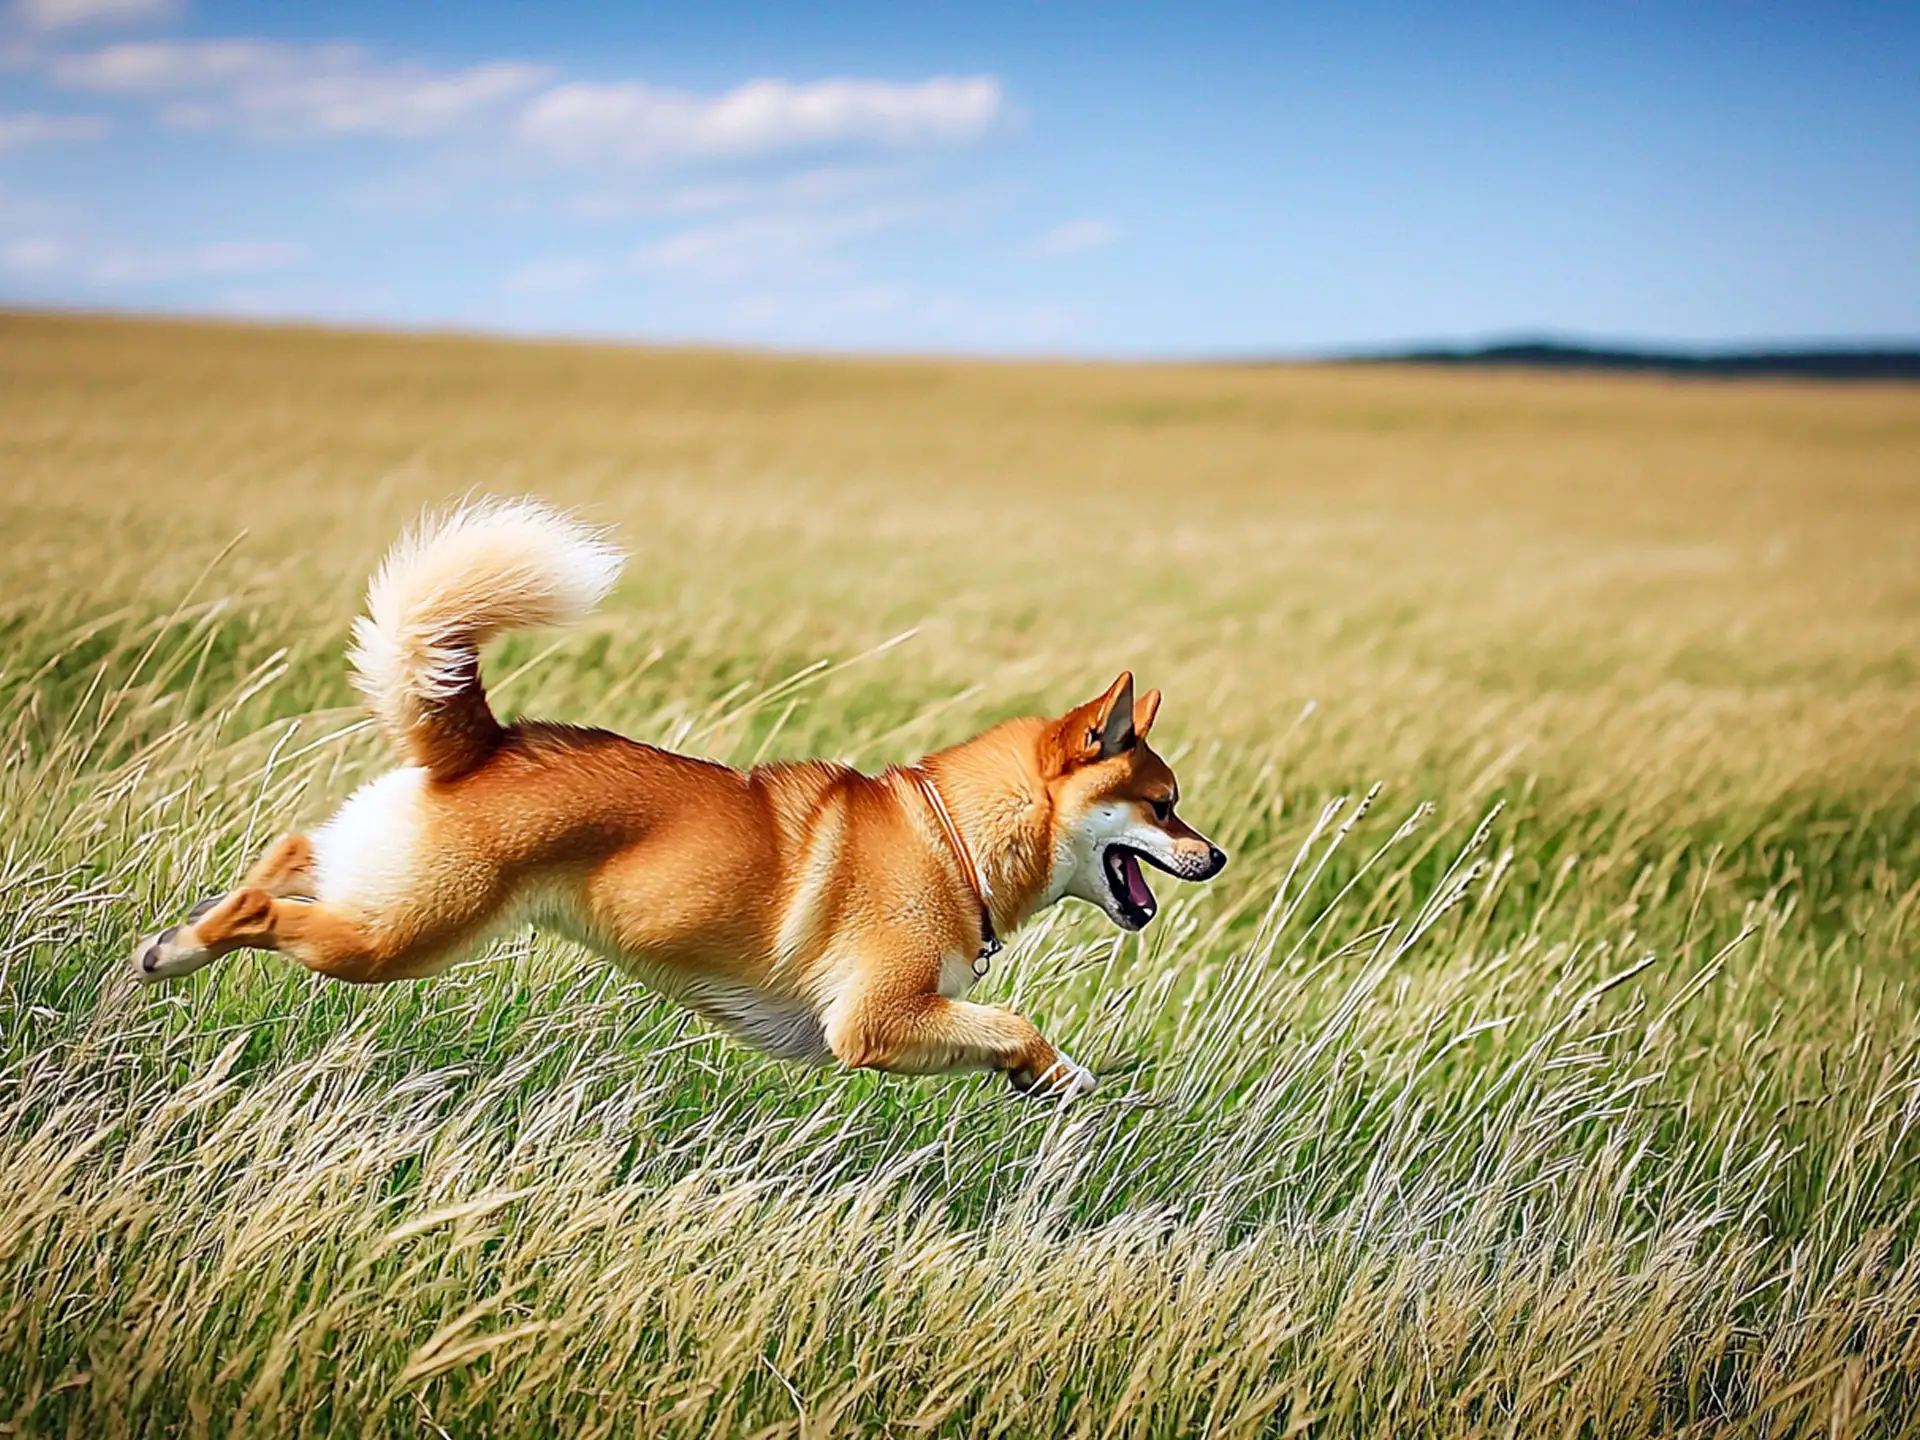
(1137, 890)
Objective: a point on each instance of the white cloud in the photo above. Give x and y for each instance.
(32, 255)
(21, 212)
(245, 257)
(633, 122)
(771, 187)
(128, 265)
(629, 195)
(275, 88)
(560, 275)
(146, 67)
(782, 241)
(22, 129)
(1075, 237)
(114, 264)
(44, 16)
(281, 88)
(789, 241)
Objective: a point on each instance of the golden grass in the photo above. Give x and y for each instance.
(1582, 1104)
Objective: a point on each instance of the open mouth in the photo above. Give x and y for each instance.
(1133, 902)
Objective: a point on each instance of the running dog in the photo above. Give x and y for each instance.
(817, 913)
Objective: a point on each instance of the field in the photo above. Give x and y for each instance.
(1545, 1062)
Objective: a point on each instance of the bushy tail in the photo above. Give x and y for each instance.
(447, 587)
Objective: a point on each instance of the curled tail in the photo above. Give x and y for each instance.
(446, 588)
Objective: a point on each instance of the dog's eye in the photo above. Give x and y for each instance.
(1162, 810)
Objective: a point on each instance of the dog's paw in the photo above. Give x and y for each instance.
(1064, 1081)
(1075, 1080)
(171, 953)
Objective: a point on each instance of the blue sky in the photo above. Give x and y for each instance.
(1121, 179)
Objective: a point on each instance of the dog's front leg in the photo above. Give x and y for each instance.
(928, 1034)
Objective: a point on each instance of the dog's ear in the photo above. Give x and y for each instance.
(1144, 709)
(1095, 731)
(1112, 730)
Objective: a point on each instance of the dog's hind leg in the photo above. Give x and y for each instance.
(324, 938)
(286, 870)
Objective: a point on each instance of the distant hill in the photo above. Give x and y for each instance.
(1878, 363)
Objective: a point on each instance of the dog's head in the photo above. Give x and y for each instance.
(1113, 807)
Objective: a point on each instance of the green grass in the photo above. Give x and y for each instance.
(1571, 1088)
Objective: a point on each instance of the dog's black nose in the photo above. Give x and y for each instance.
(1216, 860)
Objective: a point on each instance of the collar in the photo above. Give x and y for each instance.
(976, 882)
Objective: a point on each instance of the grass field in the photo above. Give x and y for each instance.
(1569, 1087)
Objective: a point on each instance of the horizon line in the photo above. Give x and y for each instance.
(1503, 348)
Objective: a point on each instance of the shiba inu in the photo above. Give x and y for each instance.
(816, 912)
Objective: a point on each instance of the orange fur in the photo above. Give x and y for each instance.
(816, 911)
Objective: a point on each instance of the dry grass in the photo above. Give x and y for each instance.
(1582, 1104)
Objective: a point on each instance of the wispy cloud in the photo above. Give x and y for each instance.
(319, 89)
(1075, 237)
(21, 212)
(275, 88)
(632, 122)
(47, 16)
(19, 130)
(628, 195)
(776, 192)
(244, 257)
(32, 255)
(112, 265)
(557, 275)
(794, 242)
(779, 240)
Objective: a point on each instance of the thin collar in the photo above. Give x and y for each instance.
(976, 881)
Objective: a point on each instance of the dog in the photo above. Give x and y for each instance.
(818, 913)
